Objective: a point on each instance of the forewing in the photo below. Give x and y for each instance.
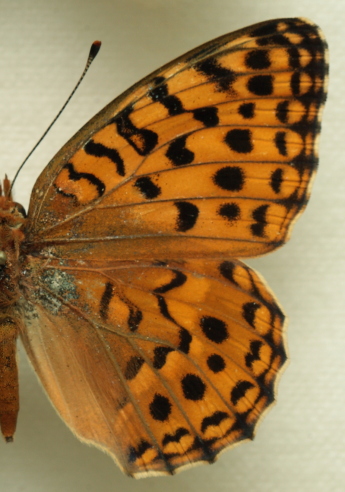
(210, 156)
(160, 364)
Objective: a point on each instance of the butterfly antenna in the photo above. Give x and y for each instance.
(95, 47)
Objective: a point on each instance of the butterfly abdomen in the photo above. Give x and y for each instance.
(11, 220)
(9, 395)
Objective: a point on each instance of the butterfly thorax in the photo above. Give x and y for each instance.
(11, 222)
(11, 235)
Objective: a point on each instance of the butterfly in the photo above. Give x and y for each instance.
(151, 337)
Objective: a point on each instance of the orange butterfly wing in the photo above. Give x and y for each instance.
(237, 118)
(160, 364)
(152, 341)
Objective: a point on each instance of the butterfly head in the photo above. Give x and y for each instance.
(12, 218)
(6, 202)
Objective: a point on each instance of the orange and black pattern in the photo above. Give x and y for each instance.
(153, 341)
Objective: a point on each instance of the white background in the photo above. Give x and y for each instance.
(300, 446)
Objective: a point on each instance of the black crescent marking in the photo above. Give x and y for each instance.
(73, 175)
(248, 312)
(259, 216)
(221, 76)
(185, 340)
(280, 143)
(277, 180)
(142, 140)
(163, 308)
(160, 93)
(134, 318)
(160, 356)
(105, 300)
(282, 111)
(227, 270)
(240, 390)
(176, 437)
(187, 216)
(215, 419)
(136, 453)
(179, 279)
(254, 353)
(294, 58)
(100, 150)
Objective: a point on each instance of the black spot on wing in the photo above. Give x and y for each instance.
(147, 187)
(247, 110)
(207, 115)
(216, 363)
(258, 59)
(187, 216)
(133, 366)
(160, 407)
(230, 211)
(239, 140)
(261, 85)
(230, 178)
(178, 153)
(193, 387)
(214, 329)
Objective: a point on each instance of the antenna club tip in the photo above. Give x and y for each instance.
(95, 47)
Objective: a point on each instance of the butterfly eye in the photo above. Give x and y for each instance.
(19, 208)
(3, 258)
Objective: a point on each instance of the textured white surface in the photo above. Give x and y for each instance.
(300, 445)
